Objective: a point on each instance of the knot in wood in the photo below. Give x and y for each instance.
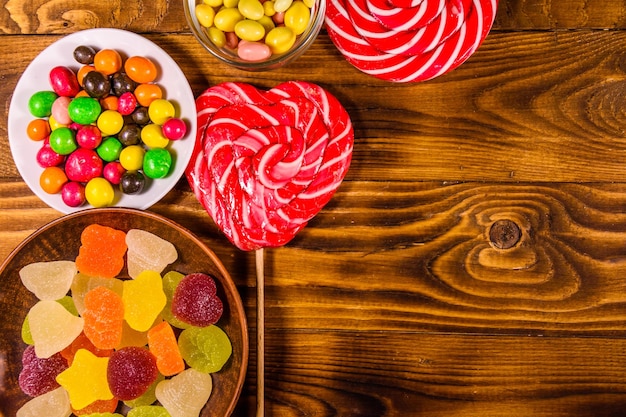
(504, 234)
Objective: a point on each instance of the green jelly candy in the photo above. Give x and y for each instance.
(84, 110)
(109, 150)
(63, 141)
(157, 163)
(40, 103)
(148, 397)
(205, 349)
(170, 282)
(148, 411)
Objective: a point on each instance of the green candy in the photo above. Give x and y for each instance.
(84, 110)
(205, 349)
(40, 103)
(148, 397)
(63, 141)
(110, 148)
(157, 163)
(149, 411)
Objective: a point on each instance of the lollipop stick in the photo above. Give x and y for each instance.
(260, 334)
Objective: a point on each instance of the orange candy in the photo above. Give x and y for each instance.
(82, 71)
(38, 129)
(107, 61)
(52, 179)
(140, 69)
(104, 318)
(147, 93)
(83, 342)
(102, 251)
(109, 103)
(98, 406)
(164, 346)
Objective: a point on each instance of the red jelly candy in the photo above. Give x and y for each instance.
(131, 371)
(38, 375)
(195, 301)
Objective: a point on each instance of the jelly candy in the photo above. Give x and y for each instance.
(102, 415)
(99, 408)
(170, 282)
(163, 345)
(86, 379)
(83, 342)
(148, 397)
(147, 251)
(149, 411)
(131, 371)
(104, 318)
(185, 394)
(38, 374)
(195, 301)
(52, 327)
(54, 403)
(102, 251)
(48, 280)
(143, 299)
(205, 349)
(82, 284)
(132, 337)
(66, 302)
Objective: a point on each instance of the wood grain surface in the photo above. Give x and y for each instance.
(473, 263)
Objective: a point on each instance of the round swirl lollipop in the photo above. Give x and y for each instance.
(264, 164)
(408, 41)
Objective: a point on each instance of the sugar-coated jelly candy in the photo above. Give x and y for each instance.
(102, 251)
(82, 284)
(38, 375)
(132, 337)
(55, 403)
(99, 408)
(148, 397)
(106, 414)
(143, 299)
(48, 280)
(86, 379)
(196, 302)
(164, 346)
(149, 411)
(83, 342)
(147, 251)
(104, 318)
(170, 281)
(131, 371)
(67, 302)
(185, 394)
(205, 349)
(52, 327)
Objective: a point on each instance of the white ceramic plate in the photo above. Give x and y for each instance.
(35, 78)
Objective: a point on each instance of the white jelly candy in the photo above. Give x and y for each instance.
(48, 280)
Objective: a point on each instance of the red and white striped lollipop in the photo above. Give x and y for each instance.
(266, 162)
(404, 41)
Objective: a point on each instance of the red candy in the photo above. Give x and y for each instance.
(38, 374)
(195, 301)
(64, 82)
(131, 371)
(83, 164)
(267, 162)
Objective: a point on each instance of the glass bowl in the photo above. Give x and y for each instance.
(230, 57)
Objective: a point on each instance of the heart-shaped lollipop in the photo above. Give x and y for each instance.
(266, 162)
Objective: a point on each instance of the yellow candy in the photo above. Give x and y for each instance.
(249, 30)
(131, 157)
(282, 5)
(213, 3)
(280, 39)
(152, 136)
(230, 3)
(267, 23)
(309, 3)
(99, 192)
(268, 8)
(297, 17)
(160, 110)
(205, 15)
(54, 125)
(143, 299)
(251, 9)
(226, 19)
(110, 122)
(86, 379)
(217, 36)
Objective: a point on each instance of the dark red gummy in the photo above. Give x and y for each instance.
(195, 301)
(131, 371)
(38, 375)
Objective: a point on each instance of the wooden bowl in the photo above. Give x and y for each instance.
(60, 240)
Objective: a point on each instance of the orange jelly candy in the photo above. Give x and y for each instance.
(83, 342)
(102, 251)
(164, 346)
(104, 318)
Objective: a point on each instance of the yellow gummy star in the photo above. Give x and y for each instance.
(86, 379)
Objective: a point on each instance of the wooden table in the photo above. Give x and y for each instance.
(401, 298)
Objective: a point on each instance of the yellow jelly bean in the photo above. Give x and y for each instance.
(249, 30)
(268, 8)
(309, 3)
(280, 39)
(267, 23)
(251, 9)
(217, 36)
(152, 136)
(205, 15)
(226, 19)
(297, 17)
(213, 3)
(282, 5)
(230, 3)
(131, 157)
